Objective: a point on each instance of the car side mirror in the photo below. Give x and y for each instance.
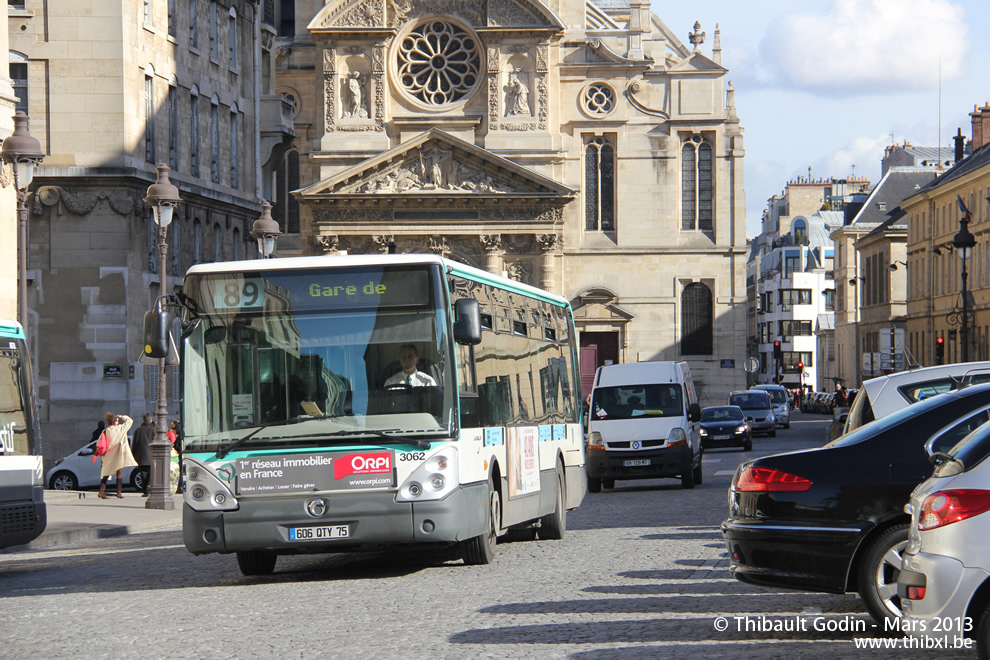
(694, 412)
(467, 323)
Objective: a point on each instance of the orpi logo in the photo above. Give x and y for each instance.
(362, 464)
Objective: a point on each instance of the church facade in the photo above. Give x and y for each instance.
(579, 147)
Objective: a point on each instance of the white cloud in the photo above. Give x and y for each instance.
(868, 47)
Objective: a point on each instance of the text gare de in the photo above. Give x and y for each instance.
(369, 289)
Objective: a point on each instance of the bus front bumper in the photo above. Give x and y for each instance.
(371, 519)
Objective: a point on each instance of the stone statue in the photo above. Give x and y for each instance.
(354, 105)
(517, 95)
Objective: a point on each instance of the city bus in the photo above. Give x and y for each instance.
(347, 403)
(23, 515)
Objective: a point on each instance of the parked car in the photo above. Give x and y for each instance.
(725, 426)
(77, 471)
(758, 409)
(945, 573)
(883, 395)
(832, 519)
(781, 401)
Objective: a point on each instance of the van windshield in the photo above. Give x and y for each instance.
(634, 401)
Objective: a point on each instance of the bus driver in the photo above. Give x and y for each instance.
(409, 358)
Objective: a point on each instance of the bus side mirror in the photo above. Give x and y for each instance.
(694, 412)
(156, 333)
(467, 326)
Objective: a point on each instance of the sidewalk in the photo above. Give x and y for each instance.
(75, 516)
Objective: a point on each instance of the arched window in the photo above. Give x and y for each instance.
(696, 185)
(19, 79)
(800, 232)
(217, 243)
(194, 131)
(214, 140)
(197, 241)
(697, 330)
(236, 241)
(235, 152)
(599, 185)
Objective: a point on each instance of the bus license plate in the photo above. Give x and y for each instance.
(319, 533)
(636, 463)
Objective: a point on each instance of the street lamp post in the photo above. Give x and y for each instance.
(23, 152)
(162, 197)
(265, 231)
(964, 241)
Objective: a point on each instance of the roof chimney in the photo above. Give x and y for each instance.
(981, 125)
(960, 141)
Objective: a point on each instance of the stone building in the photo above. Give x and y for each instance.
(576, 146)
(112, 90)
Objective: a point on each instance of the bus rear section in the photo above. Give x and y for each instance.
(23, 515)
(325, 403)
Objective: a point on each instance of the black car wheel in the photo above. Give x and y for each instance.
(594, 485)
(139, 478)
(878, 574)
(63, 481)
(748, 445)
(773, 433)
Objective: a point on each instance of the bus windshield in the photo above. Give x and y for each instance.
(14, 436)
(305, 357)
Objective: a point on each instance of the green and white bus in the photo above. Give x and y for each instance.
(23, 515)
(304, 431)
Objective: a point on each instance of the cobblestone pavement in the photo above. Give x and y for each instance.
(641, 574)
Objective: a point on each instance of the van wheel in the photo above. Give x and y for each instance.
(608, 483)
(687, 479)
(594, 485)
(697, 474)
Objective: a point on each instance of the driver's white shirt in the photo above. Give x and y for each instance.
(415, 379)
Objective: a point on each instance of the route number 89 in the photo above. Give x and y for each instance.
(239, 294)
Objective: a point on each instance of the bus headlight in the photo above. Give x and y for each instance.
(204, 489)
(434, 479)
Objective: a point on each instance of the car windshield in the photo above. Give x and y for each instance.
(751, 400)
(777, 396)
(722, 414)
(632, 401)
(971, 450)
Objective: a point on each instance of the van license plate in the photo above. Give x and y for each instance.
(636, 463)
(319, 533)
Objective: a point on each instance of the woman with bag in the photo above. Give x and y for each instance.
(118, 454)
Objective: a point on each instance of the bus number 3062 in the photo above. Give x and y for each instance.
(413, 456)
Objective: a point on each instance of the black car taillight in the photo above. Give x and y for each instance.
(768, 480)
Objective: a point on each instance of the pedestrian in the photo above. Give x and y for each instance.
(118, 454)
(175, 437)
(144, 435)
(840, 396)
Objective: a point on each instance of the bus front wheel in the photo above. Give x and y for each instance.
(553, 525)
(481, 549)
(255, 562)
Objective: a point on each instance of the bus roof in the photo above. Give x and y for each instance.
(292, 263)
(11, 329)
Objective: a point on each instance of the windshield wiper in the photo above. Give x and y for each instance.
(223, 451)
(418, 442)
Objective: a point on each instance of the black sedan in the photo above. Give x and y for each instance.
(725, 426)
(831, 519)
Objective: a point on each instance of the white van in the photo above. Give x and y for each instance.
(643, 424)
(878, 397)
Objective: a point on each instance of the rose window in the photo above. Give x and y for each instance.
(599, 99)
(438, 63)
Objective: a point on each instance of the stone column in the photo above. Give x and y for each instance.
(493, 252)
(548, 246)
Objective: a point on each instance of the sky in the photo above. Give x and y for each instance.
(827, 84)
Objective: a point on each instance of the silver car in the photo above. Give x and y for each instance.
(944, 580)
(758, 410)
(781, 403)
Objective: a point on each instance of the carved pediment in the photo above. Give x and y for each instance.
(348, 15)
(433, 164)
(697, 63)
